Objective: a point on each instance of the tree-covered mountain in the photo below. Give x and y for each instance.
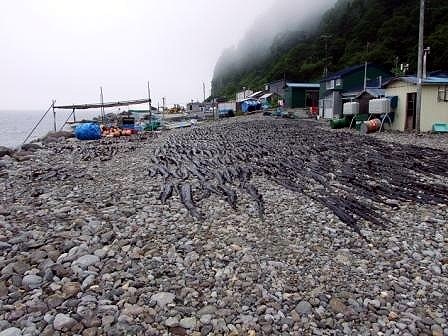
(382, 31)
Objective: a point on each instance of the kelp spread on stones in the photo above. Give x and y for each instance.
(349, 174)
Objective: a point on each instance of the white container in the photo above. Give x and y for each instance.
(351, 108)
(379, 106)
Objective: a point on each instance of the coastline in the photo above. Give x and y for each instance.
(88, 247)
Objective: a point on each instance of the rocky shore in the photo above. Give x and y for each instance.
(248, 226)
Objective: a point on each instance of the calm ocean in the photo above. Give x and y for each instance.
(15, 125)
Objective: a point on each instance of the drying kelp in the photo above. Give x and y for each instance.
(349, 174)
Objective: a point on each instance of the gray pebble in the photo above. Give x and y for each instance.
(63, 322)
(303, 308)
(163, 298)
(86, 260)
(188, 322)
(13, 331)
(32, 281)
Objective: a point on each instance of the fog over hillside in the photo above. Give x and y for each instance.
(283, 17)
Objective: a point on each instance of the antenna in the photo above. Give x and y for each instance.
(426, 52)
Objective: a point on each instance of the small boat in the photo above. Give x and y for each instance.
(181, 124)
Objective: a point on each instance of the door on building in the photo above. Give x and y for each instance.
(411, 106)
(311, 98)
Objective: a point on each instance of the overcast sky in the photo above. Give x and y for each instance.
(67, 49)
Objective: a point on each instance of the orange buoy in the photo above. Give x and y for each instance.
(370, 126)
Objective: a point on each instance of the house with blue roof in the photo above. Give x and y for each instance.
(348, 84)
(434, 112)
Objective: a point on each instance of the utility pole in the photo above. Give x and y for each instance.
(54, 115)
(326, 37)
(418, 109)
(150, 110)
(163, 111)
(215, 108)
(365, 75)
(365, 67)
(203, 102)
(203, 89)
(102, 104)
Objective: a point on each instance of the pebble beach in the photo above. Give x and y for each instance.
(191, 232)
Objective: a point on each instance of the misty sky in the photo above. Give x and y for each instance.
(67, 49)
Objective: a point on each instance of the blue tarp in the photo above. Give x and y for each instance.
(88, 131)
(250, 106)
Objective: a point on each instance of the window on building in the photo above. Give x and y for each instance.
(339, 82)
(443, 93)
(329, 84)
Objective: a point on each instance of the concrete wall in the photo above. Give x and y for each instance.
(432, 112)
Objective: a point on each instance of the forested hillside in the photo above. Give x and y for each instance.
(383, 31)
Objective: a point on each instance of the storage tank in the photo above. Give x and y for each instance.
(379, 106)
(351, 108)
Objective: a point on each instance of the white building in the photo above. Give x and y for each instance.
(240, 96)
(434, 102)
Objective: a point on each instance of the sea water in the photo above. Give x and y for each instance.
(16, 125)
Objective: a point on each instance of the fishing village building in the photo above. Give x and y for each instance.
(277, 87)
(294, 95)
(347, 84)
(434, 109)
(302, 95)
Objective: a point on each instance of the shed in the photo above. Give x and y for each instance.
(277, 87)
(227, 109)
(434, 102)
(269, 100)
(194, 107)
(363, 97)
(256, 95)
(302, 95)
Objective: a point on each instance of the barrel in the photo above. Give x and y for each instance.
(339, 123)
(370, 126)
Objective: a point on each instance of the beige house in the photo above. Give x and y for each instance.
(434, 102)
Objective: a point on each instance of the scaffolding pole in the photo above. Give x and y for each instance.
(38, 123)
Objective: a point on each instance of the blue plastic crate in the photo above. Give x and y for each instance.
(440, 128)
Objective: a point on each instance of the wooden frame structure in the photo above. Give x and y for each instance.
(101, 106)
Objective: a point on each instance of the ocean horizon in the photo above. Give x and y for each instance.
(17, 124)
